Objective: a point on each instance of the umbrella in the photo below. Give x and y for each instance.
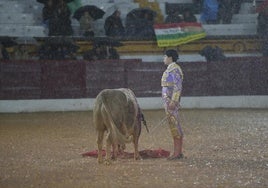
(45, 1)
(7, 42)
(94, 12)
(123, 7)
(262, 6)
(107, 41)
(74, 5)
(141, 12)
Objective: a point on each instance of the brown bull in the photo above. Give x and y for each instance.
(117, 112)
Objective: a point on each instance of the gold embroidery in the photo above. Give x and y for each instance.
(173, 66)
(176, 96)
(170, 68)
(173, 126)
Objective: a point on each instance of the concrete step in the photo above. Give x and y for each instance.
(230, 29)
(20, 18)
(22, 30)
(173, 1)
(9, 6)
(239, 18)
(247, 8)
(245, 18)
(99, 2)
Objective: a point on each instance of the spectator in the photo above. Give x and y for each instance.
(96, 53)
(188, 15)
(112, 53)
(212, 54)
(237, 6)
(60, 23)
(173, 17)
(113, 25)
(4, 55)
(226, 11)
(44, 52)
(85, 25)
(209, 13)
(139, 23)
(58, 50)
(47, 12)
(21, 52)
(262, 29)
(101, 52)
(68, 52)
(147, 23)
(197, 4)
(50, 52)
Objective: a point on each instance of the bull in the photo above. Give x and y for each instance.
(116, 111)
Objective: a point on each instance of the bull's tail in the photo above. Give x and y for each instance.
(116, 135)
(142, 118)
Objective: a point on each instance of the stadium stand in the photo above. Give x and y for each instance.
(20, 18)
(17, 19)
(23, 18)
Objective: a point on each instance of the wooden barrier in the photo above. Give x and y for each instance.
(62, 79)
(20, 80)
(82, 79)
(235, 76)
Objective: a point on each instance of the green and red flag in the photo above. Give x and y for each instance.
(175, 34)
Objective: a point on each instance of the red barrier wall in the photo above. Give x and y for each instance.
(82, 79)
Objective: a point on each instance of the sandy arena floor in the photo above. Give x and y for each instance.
(223, 148)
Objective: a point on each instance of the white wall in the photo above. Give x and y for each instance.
(148, 103)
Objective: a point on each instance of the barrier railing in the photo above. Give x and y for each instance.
(82, 79)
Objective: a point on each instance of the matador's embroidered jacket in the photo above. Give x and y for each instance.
(171, 83)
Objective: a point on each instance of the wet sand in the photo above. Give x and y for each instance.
(223, 148)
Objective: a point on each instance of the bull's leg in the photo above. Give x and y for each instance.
(100, 143)
(108, 149)
(121, 148)
(115, 151)
(136, 151)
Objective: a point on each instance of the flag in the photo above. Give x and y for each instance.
(175, 34)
